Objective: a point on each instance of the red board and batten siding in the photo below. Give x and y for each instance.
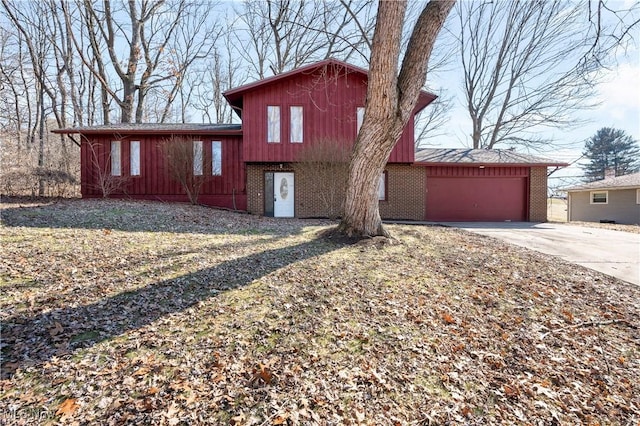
(477, 194)
(155, 182)
(329, 96)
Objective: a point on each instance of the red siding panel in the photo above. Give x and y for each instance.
(329, 97)
(155, 181)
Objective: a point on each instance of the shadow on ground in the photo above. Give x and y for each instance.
(28, 340)
(140, 216)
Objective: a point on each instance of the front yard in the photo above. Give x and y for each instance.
(122, 312)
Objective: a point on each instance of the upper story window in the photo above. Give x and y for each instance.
(296, 129)
(197, 158)
(273, 124)
(116, 159)
(216, 158)
(599, 197)
(134, 155)
(359, 118)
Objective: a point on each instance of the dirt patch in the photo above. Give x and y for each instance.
(117, 312)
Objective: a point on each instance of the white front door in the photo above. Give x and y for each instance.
(283, 195)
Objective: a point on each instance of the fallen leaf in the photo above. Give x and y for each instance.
(511, 391)
(447, 318)
(280, 420)
(67, 407)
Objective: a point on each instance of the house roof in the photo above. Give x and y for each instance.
(234, 96)
(156, 129)
(484, 157)
(619, 182)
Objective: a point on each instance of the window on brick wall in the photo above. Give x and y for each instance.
(382, 187)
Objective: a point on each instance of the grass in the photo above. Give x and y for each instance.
(188, 315)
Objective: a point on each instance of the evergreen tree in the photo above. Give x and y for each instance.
(613, 150)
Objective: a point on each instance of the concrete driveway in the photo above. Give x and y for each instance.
(614, 253)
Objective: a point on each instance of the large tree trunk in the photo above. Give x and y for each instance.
(391, 98)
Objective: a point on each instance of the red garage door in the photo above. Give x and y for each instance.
(476, 199)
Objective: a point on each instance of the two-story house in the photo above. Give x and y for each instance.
(252, 166)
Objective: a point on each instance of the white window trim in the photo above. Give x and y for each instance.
(198, 158)
(296, 137)
(638, 196)
(116, 158)
(359, 118)
(382, 187)
(216, 166)
(592, 193)
(273, 124)
(134, 154)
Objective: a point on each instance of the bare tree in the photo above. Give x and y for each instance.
(185, 163)
(433, 121)
(162, 40)
(527, 65)
(326, 163)
(285, 34)
(391, 98)
(103, 179)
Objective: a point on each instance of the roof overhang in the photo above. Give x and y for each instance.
(606, 188)
(235, 96)
(481, 165)
(144, 130)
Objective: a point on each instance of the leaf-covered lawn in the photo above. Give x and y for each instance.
(120, 312)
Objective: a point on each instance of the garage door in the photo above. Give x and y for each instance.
(476, 199)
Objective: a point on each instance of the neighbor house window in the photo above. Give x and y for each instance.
(637, 196)
(216, 158)
(116, 161)
(599, 197)
(295, 133)
(273, 124)
(359, 118)
(135, 158)
(197, 158)
(382, 187)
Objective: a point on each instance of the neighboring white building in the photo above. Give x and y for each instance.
(613, 199)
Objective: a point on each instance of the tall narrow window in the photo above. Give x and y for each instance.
(382, 187)
(273, 124)
(216, 158)
(296, 132)
(197, 158)
(135, 158)
(116, 161)
(359, 118)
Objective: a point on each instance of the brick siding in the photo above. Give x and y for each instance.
(405, 192)
(538, 194)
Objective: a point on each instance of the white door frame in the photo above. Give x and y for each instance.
(283, 194)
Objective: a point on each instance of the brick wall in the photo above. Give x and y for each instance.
(405, 192)
(538, 194)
